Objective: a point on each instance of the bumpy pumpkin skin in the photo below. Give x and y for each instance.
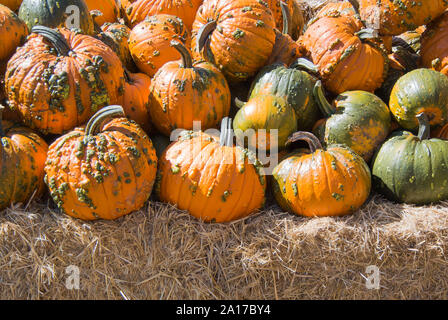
(116, 36)
(149, 42)
(330, 182)
(11, 4)
(295, 85)
(52, 14)
(109, 176)
(108, 8)
(13, 33)
(421, 90)
(393, 17)
(137, 10)
(212, 182)
(434, 48)
(55, 92)
(22, 160)
(242, 40)
(407, 169)
(345, 61)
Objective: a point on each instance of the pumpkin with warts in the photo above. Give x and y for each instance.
(421, 90)
(22, 160)
(59, 79)
(434, 50)
(412, 168)
(348, 56)
(279, 13)
(413, 38)
(54, 14)
(236, 36)
(103, 171)
(325, 182)
(182, 92)
(11, 4)
(211, 178)
(149, 42)
(357, 119)
(109, 10)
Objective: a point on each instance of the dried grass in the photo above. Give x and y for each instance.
(163, 253)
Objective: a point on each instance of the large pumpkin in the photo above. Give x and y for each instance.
(57, 13)
(105, 170)
(11, 4)
(295, 84)
(22, 160)
(434, 45)
(182, 93)
(357, 119)
(109, 10)
(348, 57)
(421, 90)
(210, 178)
(325, 182)
(58, 79)
(412, 168)
(137, 10)
(150, 42)
(236, 36)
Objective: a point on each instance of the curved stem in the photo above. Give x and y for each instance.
(305, 65)
(56, 39)
(238, 103)
(226, 136)
(2, 132)
(204, 33)
(187, 61)
(94, 124)
(423, 126)
(310, 138)
(286, 14)
(325, 107)
(127, 77)
(355, 5)
(95, 14)
(367, 34)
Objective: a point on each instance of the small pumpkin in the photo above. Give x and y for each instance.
(211, 178)
(59, 79)
(357, 119)
(11, 4)
(22, 160)
(279, 12)
(434, 48)
(13, 33)
(421, 90)
(325, 182)
(136, 98)
(57, 13)
(109, 10)
(116, 36)
(149, 42)
(413, 38)
(236, 36)
(412, 168)
(103, 171)
(182, 92)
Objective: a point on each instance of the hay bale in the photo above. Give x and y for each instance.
(163, 253)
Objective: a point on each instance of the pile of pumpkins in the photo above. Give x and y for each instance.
(358, 96)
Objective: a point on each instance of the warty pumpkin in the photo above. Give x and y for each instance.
(109, 10)
(13, 32)
(11, 4)
(421, 90)
(103, 171)
(412, 168)
(150, 42)
(182, 92)
(59, 79)
(22, 160)
(325, 182)
(211, 178)
(356, 119)
(434, 47)
(236, 36)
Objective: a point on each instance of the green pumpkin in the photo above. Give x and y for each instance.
(358, 119)
(412, 169)
(264, 112)
(421, 90)
(295, 84)
(54, 14)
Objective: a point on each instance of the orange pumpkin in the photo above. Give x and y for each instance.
(109, 9)
(214, 181)
(149, 42)
(58, 79)
(116, 36)
(11, 4)
(183, 92)
(105, 170)
(13, 32)
(434, 47)
(330, 182)
(236, 36)
(22, 160)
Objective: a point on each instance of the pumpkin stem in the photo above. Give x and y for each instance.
(286, 18)
(313, 143)
(305, 65)
(226, 136)
(355, 5)
(95, 14)
(367, 34)
(94, 124)
(56, 39)
(423, 126)
(2, 132)
(204, 33)
(238, 103)
(325, 107)
(187, 61)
